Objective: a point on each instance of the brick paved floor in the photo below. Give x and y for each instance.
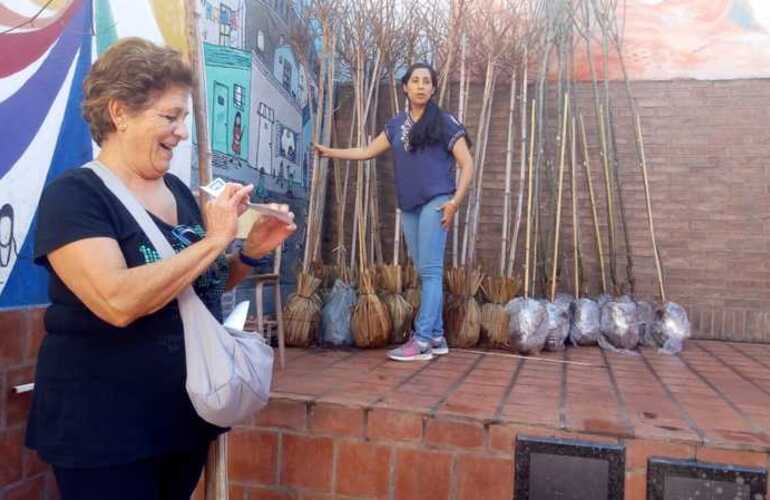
(714, 393)
(353, 425)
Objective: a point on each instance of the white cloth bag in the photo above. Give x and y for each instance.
(229, 371)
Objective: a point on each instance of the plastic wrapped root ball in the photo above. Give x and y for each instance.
(557, 322)
(586, 328)
(602, 299)
(564, 300)
(336, 314)
(619, 325)
(671, 328)
(645, 315)
(527, 326)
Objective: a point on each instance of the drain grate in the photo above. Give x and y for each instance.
(675, 479)
(549, 468)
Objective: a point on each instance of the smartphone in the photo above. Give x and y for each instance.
(215, 187)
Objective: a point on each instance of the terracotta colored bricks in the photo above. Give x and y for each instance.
(422, 475)
(253, 456)
(27, 490)
(362, 469)
(11, 451)
(639, 450)
(733, 457)
(483, 477)
(13, 325)
(336, 419)
(283, 413)
(394, 425)
(468, 435)
(636, 486)
(307, 462)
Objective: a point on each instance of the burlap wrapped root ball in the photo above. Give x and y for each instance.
(412, 287)
(527, 325)
(400, 310)
(370, 322)
(619, 325)
(498, 291)
(302, 313)
(462, 315)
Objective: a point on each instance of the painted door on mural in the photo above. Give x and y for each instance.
(219, 125)
(264, 138)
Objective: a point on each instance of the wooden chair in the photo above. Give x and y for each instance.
(273, 279)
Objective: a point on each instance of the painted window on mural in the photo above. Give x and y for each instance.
(287, 143)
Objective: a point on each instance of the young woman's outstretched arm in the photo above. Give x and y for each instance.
(378, 146)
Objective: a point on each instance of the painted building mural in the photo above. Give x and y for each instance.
(257, 101)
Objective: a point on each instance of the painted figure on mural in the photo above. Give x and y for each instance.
(237, 134)
(110, 411)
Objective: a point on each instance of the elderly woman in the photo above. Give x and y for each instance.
(110, 411)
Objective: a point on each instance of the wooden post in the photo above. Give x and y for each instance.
(198, 95)
(587, 166)
(655, 253)
(555, 264)
(529, 198)
(573, 182)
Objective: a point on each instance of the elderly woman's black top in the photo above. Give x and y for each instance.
(106, 395)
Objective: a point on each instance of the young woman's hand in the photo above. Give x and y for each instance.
(450, 209)
(267, 233)
(323, 151)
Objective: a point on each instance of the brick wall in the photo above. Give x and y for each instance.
(22, 475)
(707, 144)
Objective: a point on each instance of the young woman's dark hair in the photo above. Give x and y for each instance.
(429, 129)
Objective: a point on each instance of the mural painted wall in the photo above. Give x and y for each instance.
(228, 88)
(47, 48)
(701, 39)
(276, 120)
(257, 96)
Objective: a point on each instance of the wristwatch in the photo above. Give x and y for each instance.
(245, 259)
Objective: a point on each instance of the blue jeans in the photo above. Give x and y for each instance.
(426, 241)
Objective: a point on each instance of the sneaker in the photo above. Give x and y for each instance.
(439, 346)
(413, 350)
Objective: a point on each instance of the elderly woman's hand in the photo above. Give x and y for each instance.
(267, 233)
(221, 213)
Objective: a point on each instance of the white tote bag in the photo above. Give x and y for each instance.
(228, 371)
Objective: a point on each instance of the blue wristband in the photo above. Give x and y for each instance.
(249, 261)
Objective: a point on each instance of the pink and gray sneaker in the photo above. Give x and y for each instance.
(439, 346)
(413, 350)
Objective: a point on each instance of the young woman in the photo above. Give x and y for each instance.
(427, 143)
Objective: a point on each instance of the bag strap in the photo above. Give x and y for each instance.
(137, 211)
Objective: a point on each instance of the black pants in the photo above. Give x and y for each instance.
(167, 477)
